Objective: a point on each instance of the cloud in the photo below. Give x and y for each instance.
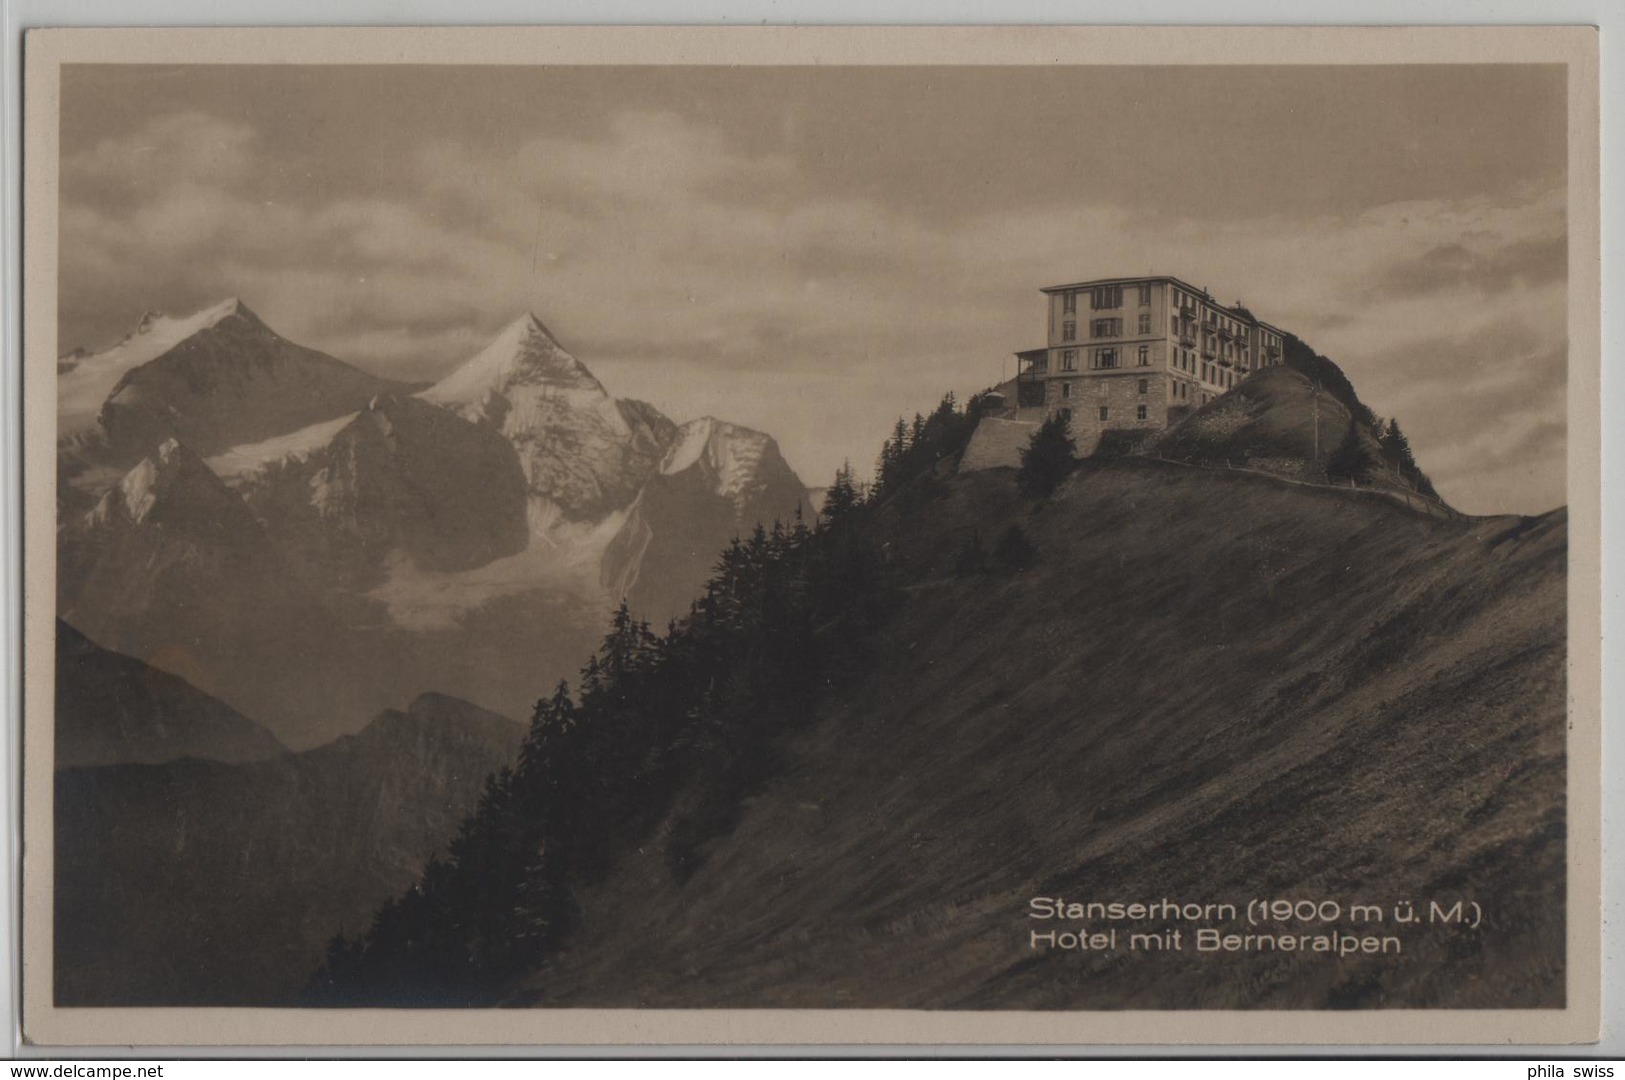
(1524, 263)
(195, 148)
(702, 275)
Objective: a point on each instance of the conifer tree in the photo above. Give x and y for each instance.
(842, 497)
(1348, 461)
(1396, 447)
(1396, 450)
(1047, 458)
(1015, 551)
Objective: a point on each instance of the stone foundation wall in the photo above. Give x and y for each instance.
(1120, 395)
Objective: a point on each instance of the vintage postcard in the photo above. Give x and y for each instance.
(1024, 536)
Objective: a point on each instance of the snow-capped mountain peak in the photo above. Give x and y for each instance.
(85, 383)
(584, 453)
(525, 353)
(178, 329)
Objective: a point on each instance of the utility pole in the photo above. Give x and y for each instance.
(1314, 390)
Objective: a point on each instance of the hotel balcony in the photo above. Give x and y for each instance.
(1032, 362)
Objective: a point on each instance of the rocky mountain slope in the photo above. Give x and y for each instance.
(168, 555)
(583, 452)
(401, 478)
(170, 567)
(201, 882)
(717, 481)
(231, 379)
(114, 710)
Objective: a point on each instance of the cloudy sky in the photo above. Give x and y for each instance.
(812, 251)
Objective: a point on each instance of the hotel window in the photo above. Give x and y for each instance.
(1069, 303)
(1069, 330)
(1145, 296)
(1173, 324)
(1066, 389)
(1105, 412)
(1145, 323)
(1069, 359)
(1106, 328)
(1106, 297)
(1145, 386)
(1105, 358)
(1139, 412)
(1145, 356)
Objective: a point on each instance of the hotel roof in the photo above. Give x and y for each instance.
(1237, 310)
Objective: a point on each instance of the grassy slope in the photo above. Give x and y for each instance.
(1212, 687)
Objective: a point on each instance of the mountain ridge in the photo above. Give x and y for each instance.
(113, 709)
(218, 377)
(171, 567)
(258, 863)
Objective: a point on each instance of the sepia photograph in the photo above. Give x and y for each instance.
(1010, 524)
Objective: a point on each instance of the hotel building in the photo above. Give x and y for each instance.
(1139, 353)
